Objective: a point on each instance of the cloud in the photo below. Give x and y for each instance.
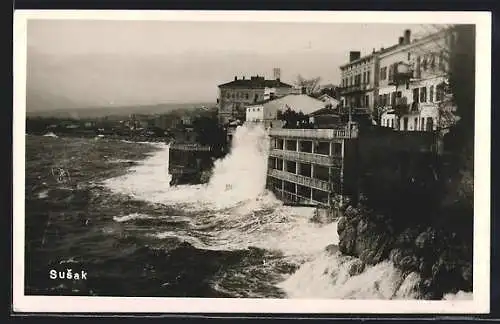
(98, 79)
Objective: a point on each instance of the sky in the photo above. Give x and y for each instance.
(85, 63)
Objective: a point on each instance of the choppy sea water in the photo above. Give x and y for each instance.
(114, 215)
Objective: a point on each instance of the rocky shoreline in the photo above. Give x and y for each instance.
(440, 256)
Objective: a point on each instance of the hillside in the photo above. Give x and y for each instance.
(117, 111)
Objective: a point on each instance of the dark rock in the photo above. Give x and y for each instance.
(426, 239)
(362, 226)
(356, 267)
(466, 272)
(341, 224)
(347, 240)
(407, 236)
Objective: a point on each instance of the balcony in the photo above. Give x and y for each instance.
(190, 147)
(301, 180)
(401, 106)
(328, 134)
(355, 88)
(305, 157)
(296, 198)
(400, 73)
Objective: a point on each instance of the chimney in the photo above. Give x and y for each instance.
(235, 78)
(354, 55)
(373, 51)
(401, 40)
(407, 36)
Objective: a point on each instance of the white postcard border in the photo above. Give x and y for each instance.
(66, 304)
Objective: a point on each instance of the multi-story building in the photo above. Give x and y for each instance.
(234, 96)
(359, 80)
(412, 78)
(312, 166)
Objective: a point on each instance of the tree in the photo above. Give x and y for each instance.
(310, 85)
(293, 119)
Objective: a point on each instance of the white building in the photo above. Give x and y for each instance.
(267, 112)
(359, 80)
(255, 113)
(411, 77)
(329, 101)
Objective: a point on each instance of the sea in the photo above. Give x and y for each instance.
(105, 206)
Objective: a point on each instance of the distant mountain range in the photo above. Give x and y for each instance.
(99, 112)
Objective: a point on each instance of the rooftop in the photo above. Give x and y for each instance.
(296, 102)
(255, 82)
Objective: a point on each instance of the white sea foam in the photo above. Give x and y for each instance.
(335, 276)
(134, 216)
(234, 211)
(43, 194)
(50, 134)
(461, 295)
(126, 218)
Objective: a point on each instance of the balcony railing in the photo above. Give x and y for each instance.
(190, 147)
(355, 88)
(400, 73)
(307, 157)
(300, 179)
(313, 133)
(298, 198)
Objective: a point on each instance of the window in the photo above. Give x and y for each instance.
(423, 94)
(415, 95)
(430, 124)
(431, 93)
(441, 60)
(368, 77)
(391, 72)
(415, 123)
(337, 148)
(228, 95)
(433, 61)
(232, 95)
(418, 68)
(405, 123)
(409, 56)
(367, 101)
(383, 73)
(350, 80)
(384, 99)
(393, 98)
(424, 64)
(246, 96)
(439, 92)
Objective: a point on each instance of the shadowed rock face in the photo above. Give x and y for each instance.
(441, 257)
